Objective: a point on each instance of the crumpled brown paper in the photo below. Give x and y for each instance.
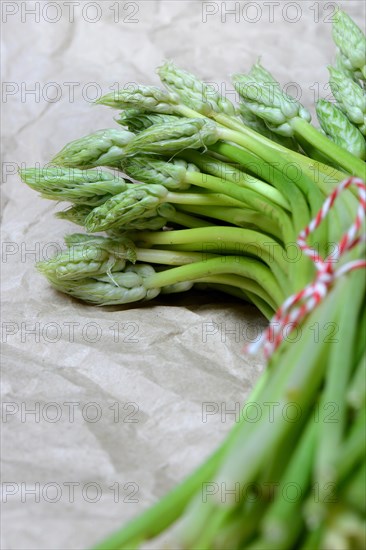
(105, 409)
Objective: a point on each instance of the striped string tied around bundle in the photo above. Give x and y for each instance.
(297, 306)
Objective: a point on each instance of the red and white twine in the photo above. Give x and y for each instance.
(297, 306)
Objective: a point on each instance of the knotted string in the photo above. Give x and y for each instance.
(297, 306)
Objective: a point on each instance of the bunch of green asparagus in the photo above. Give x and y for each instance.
(194, 190)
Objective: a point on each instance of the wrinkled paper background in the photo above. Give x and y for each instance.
(118, 393)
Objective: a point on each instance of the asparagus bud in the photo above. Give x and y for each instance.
(260, 74)
(339, 129)
(76, 214)
(88, 256)
(258, 125)
(102, 148)
(122, 287)
(153, 170)
(254, 121)
(170, 138)
(136, 202)
(194, 93)
(121, 248)
(351, 42)
(342, 66)
(89, 187)
(158, 218)
(136, 120)
(144, 98)
(264, 98)
(350, 97)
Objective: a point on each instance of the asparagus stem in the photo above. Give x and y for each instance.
(351, 164)
(241, 217)
(235, 153)
(293, 528)
(303, 269)
(340, 363)
(263, 306)
(169, 257)
(253, 200)
(230, 249)
(204, 199)
(272, 153)
(242, 526)
(245, 182)
(275, 521)
(226, 240)
(296, 379)
(184, 219)
(360, 345)
(356, 393)
(251, 269)
(353, 449)
(301, 160)
(249, 287)
(231, 239)
(313, 539)
(280, 161)
(354, 490)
